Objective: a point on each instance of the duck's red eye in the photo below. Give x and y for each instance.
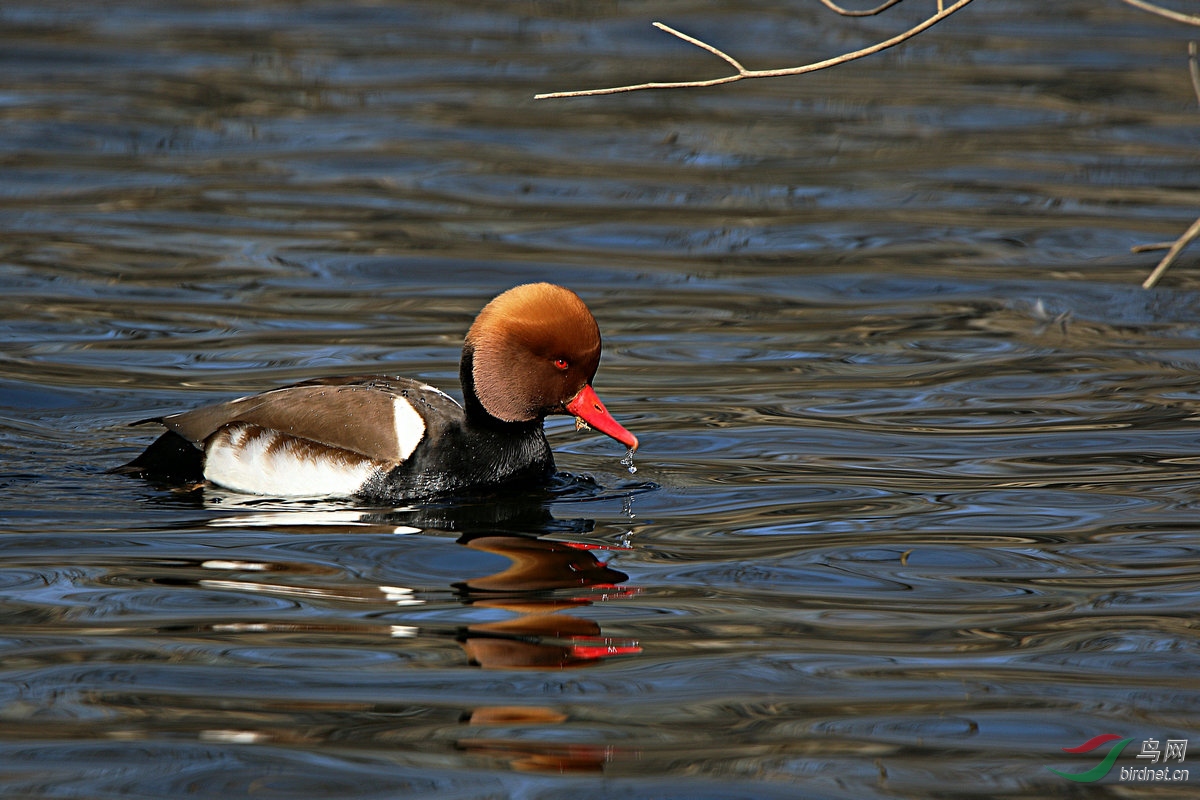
(561, 363)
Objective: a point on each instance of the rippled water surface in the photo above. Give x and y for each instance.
(916, 504)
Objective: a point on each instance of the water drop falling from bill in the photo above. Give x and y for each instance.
(627, 462)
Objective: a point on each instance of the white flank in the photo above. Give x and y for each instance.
(410, 427)
(243, 460)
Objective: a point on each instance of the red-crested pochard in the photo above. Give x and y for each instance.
(531, 352)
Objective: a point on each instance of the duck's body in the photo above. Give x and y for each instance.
(532, 352)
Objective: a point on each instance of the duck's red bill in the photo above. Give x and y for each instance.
(587, 407)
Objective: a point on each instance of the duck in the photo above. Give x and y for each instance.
(532, 351)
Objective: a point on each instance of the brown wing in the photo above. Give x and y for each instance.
(372, 416)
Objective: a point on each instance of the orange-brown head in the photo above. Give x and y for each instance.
(533, 351)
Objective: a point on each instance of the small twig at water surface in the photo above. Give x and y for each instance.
(1175, 248)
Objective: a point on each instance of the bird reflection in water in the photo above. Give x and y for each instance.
(541, 594)
(545, 580)
(543, 634)
(526, 755)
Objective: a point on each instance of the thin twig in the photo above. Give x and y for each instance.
(1169, 258)
(1191, 233)
(1194, 69)
(845, 12)
(1189, 19)
(1176, 247)
(703, 46)
(742, 72)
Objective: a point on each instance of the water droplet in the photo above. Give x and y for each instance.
(627, 510)
(627, 462)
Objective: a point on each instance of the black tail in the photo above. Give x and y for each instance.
(170, 459)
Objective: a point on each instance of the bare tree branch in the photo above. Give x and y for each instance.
(834, 7)
(1169, 258)
(1189, 19)
(943, 11)
(1176, 247)
(1194, 69)
(741, 72)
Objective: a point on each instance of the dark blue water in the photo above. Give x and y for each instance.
(915, 506)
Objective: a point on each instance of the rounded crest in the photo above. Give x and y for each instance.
(530, 351)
